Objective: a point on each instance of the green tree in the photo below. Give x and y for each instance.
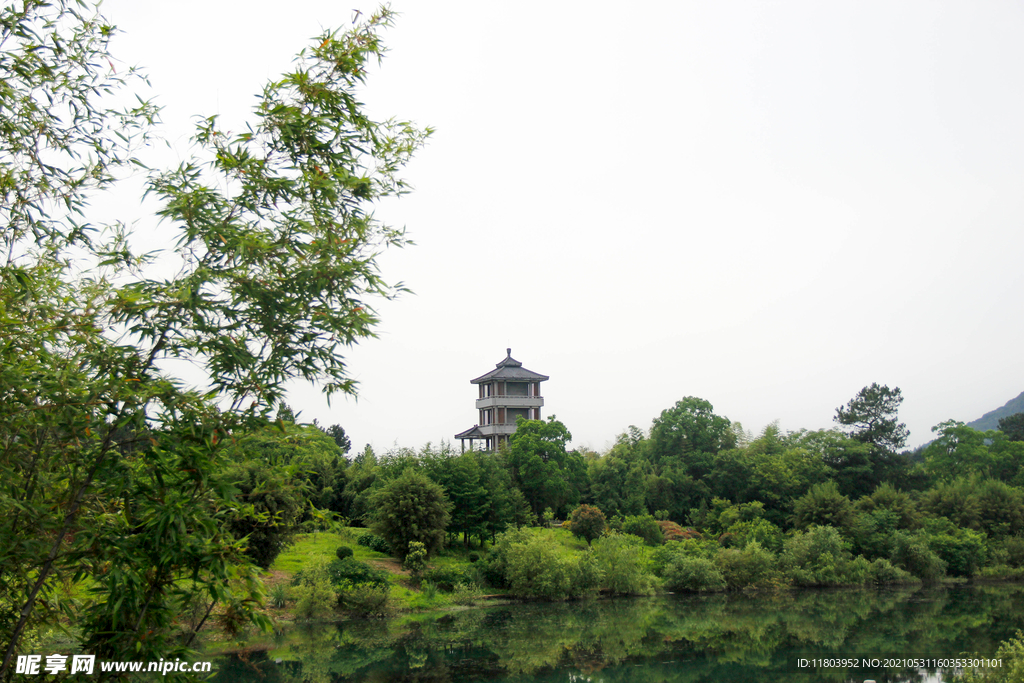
(823, 505)
(587, 522)
(274, 262)
(411, 508)
(547, 474)
(1012, 426)
(689, 427)
(871, 417)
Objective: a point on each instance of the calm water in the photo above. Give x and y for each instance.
(664, 639)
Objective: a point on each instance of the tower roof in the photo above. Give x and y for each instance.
(510, 370)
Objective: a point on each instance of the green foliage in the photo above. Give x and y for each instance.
(820, 557)
(366, 600)
(348, 572)
(416, 559)
(587, 522)
(956, 501)
(823, 505)
(270, 522)
(644, 526)
(871, 417)
(118, 468)
(343, 552)
(962, 550)
(695, 574)
(1011, 668)
(532, 566)
(1013, 426)
(466, 594)
(315, 595)
(623, 566)
(883, 572)
(912, 554)
(447, 577)
(373, 542)
(411, 508)
(278, 596)
(756, 530)
(690, 426)
(751, 567)
(548, 475)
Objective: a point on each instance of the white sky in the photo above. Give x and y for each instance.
(768, 205)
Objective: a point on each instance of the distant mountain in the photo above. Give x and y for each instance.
(990, 420)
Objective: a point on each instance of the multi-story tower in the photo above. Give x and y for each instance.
(505, 393)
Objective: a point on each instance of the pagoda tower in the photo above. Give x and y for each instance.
(505, 393)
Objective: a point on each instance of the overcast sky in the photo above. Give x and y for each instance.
(768, 205)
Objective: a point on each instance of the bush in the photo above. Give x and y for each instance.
(621, 561)
(911, 553)
(536, 568)
(644, 526)
(465, 594)
(343, 551)
(819, 557)
(374, 542)
(315, 595)
(962, 550)
(685, 573)
(352, 572)
(751, 567)
(278, 596)
(446, 578)
(823, 505)
(366, 600)
(416, 559)
(760, 530)
(883, 572)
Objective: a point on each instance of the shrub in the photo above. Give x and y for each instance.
(622, 564)
(751, 566)
(819, 557)
(963, 550)
(315, 594)
(687, 573)
(446, 578)
(760, 530)
(1011, 669)
(278, 596)
(352, 572)
(644, 526)
(823, 505)
(366, 600)
(343, 551)
(911, 553)
(374, 542)
(465, 594)
(883, 572)
(534, 568)
(416, 558)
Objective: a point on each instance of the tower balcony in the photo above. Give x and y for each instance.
(498, 429)
(509, 402)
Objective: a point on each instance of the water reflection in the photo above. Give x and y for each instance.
(663, 639)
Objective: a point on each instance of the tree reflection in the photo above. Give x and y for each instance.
(680, 639)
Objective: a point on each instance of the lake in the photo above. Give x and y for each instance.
(838, 635)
